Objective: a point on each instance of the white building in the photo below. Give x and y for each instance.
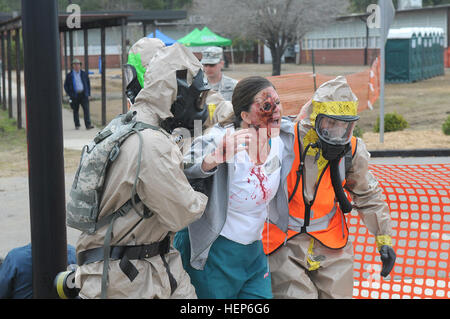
(347, 40)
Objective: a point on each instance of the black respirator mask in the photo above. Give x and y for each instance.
(189, 105)
(335, 133)
(133, 87)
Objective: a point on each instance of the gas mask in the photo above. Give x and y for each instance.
(335, 133)
(133, 87)
(189, 105)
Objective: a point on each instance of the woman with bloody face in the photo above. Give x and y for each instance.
(242, 161)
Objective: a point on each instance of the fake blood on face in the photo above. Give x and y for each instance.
(265, 111)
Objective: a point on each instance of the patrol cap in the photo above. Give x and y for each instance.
(76, 61)
(212, 55)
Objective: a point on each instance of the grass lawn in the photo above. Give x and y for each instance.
(13, 150)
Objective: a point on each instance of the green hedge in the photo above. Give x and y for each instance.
(392, 122)
(446, 126)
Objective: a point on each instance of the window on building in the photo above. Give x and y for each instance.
(372, 42)
(359, 43)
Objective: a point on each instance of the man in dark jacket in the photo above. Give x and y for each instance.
(16, 280)
(78, 88)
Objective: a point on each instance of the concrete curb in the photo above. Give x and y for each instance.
(411, 153)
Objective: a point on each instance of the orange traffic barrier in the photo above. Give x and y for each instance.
(419, 201)
(296, 89)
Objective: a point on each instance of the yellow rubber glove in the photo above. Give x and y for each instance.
(384, 245)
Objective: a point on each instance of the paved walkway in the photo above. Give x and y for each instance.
(73, 139)
(14, 192)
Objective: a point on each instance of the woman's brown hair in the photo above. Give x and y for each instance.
(243, 97)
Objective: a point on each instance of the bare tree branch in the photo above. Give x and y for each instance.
(277, 23)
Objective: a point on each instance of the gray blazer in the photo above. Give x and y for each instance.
(204, 231)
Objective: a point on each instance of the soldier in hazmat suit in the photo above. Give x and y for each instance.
(312, 257)
(218, 109)
(142, 262)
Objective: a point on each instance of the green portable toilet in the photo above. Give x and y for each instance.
(441, 53)
(438, 49)
(401, 66)
(434, 56)
(427, 54)
(419, 53)
(416, 56)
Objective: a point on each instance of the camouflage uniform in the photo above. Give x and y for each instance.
(225, 87)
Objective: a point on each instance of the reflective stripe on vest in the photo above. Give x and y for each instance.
(296, 223)
(326, 221)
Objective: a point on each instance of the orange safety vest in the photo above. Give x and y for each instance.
(324, 220)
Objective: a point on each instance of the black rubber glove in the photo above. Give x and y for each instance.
(388, 259)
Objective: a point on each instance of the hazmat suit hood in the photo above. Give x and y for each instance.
(334, 97)
(141, 53)
(160, 81)
(138, 57)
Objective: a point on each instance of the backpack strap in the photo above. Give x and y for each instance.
(124, 209)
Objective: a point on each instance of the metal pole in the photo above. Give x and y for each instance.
(314, 69)
(382, 67)
(366, 49)
(8, 56)
(86, 51)
(66, 63)
(45, 143)
(3, 72)
(18, 80)
(124, 61)
(71, 47)
(103, 66)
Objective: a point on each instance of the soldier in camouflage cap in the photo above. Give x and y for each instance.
(212, 64)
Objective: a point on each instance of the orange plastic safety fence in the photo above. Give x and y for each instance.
(418, 198)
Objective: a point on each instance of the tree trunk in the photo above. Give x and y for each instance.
(276, 61)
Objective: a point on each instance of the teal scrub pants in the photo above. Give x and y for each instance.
(232, 270)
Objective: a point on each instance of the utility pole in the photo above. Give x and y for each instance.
(45, 143)
(387, 11)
